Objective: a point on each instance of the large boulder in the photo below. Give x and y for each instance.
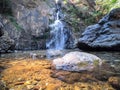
(77, 61)
(105, 35)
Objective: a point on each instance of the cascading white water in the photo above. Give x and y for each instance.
(57, 33)
(56, 1)
(60, 35)
(57, 40)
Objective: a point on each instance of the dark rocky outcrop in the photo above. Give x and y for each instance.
(1, 31)
(28, 24)
(105, 35)
(6, 43)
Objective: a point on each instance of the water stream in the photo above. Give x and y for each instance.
(59, 33)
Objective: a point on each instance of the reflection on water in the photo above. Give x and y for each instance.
(23, 54)
(44, 54)
(113, 58)
(109, 56)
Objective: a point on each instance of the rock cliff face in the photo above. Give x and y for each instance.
(6, 43)
(105, 35)
(28, 26)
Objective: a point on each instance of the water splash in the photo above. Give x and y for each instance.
(57, 15)
(57, 36)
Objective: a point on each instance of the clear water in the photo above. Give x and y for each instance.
(112, 57)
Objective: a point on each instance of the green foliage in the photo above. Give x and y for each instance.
(74, 16)
(102, 7)
(93, 17)
(14, 22)
(96, 62)
(107, 5)
(82, 64)
(77, 14)
(65, 1)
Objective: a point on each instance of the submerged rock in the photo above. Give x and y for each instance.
(54, 53)
(77, 61)
(103, 36)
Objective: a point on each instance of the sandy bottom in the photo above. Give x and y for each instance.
(28, 74)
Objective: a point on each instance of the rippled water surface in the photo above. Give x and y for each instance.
(111, 56)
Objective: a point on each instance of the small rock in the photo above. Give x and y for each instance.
(34, 82)
(11, 89)
(51, 87)
(29, 87)
(53, 53)
(36, 88)
(19, 83)
(37, 79)
(115, 82)
(20, 79)
(76, 88)
(27, 83)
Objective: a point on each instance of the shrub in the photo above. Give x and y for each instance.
(107, 5)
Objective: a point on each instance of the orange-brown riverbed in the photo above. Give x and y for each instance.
(39, 74)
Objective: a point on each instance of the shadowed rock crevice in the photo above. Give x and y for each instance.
(6, 43)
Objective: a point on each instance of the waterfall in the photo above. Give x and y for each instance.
(57, 36)
(59, 33)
